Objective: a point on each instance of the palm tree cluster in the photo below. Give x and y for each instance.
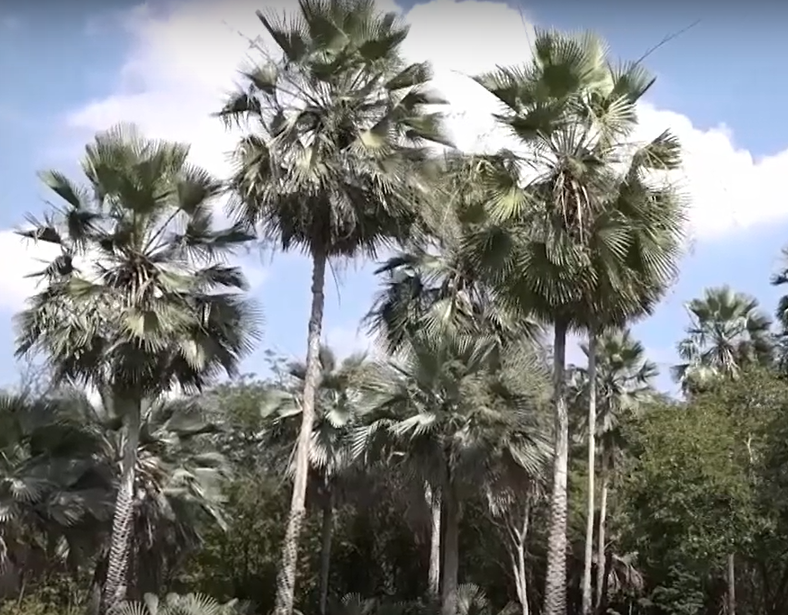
(486, 265)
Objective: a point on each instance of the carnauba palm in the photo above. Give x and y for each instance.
(727, 331)
(140, 298)
(623, 378)
(336, 130)
(460, 420)
(587, 230)
(330, 460)
(431, 287)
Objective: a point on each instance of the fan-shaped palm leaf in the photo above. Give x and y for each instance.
(175, 604)
(727, 331)
(432, 288)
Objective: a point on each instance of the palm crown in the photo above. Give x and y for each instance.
(597, 224)
(140, 295)
(431, 287)
(727, 331)
(337, 411)
(456, 414)
(624, 380)
(340, 124)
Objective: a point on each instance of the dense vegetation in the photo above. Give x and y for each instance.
(460, 467)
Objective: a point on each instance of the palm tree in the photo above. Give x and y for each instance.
(431, 287)
(727, 332)
(138, 301)
(48, 487)
(634, 294)
(177, 479)
(781, 313)
(330, 456)
(624, 381)
(593, 237)
(338, 123)
(178, 482)
(430, 290)
(459, 424)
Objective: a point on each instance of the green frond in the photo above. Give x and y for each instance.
(334, 157)
(624, 381)
(340, 403)
(138, 296)
(444, 408)
(587, 228)
(727, 332)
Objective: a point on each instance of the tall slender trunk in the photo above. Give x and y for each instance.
(433, 497)
(522, 584)
(591, 424)
(123, 518)
(731, 584)
(555, 582)
(605, 597)
(604, 477)
(285, 582)
(451, 556)
(518, 535)
(326, 535)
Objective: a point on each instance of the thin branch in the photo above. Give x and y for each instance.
(666, 39)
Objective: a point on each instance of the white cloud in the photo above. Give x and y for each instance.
(729, 188)
(185, 54)
(21, 257)
(185, 57)
(345, 341)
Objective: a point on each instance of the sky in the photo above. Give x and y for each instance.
(71, 69)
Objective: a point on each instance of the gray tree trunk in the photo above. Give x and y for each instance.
(285, 583)
(555, 583)
(434, 582)
(451, 556)
(604, 477)
(731, 584)
(591, 421)
(123, 518)
(518, 536)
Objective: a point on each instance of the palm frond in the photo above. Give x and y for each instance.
(139, 298)
(336, 129)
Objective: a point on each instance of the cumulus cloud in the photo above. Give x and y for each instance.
(184, 57)
(21, 257)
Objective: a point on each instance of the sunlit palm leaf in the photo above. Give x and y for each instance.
(727, 332)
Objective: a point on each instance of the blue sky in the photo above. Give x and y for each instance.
(79, 69)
